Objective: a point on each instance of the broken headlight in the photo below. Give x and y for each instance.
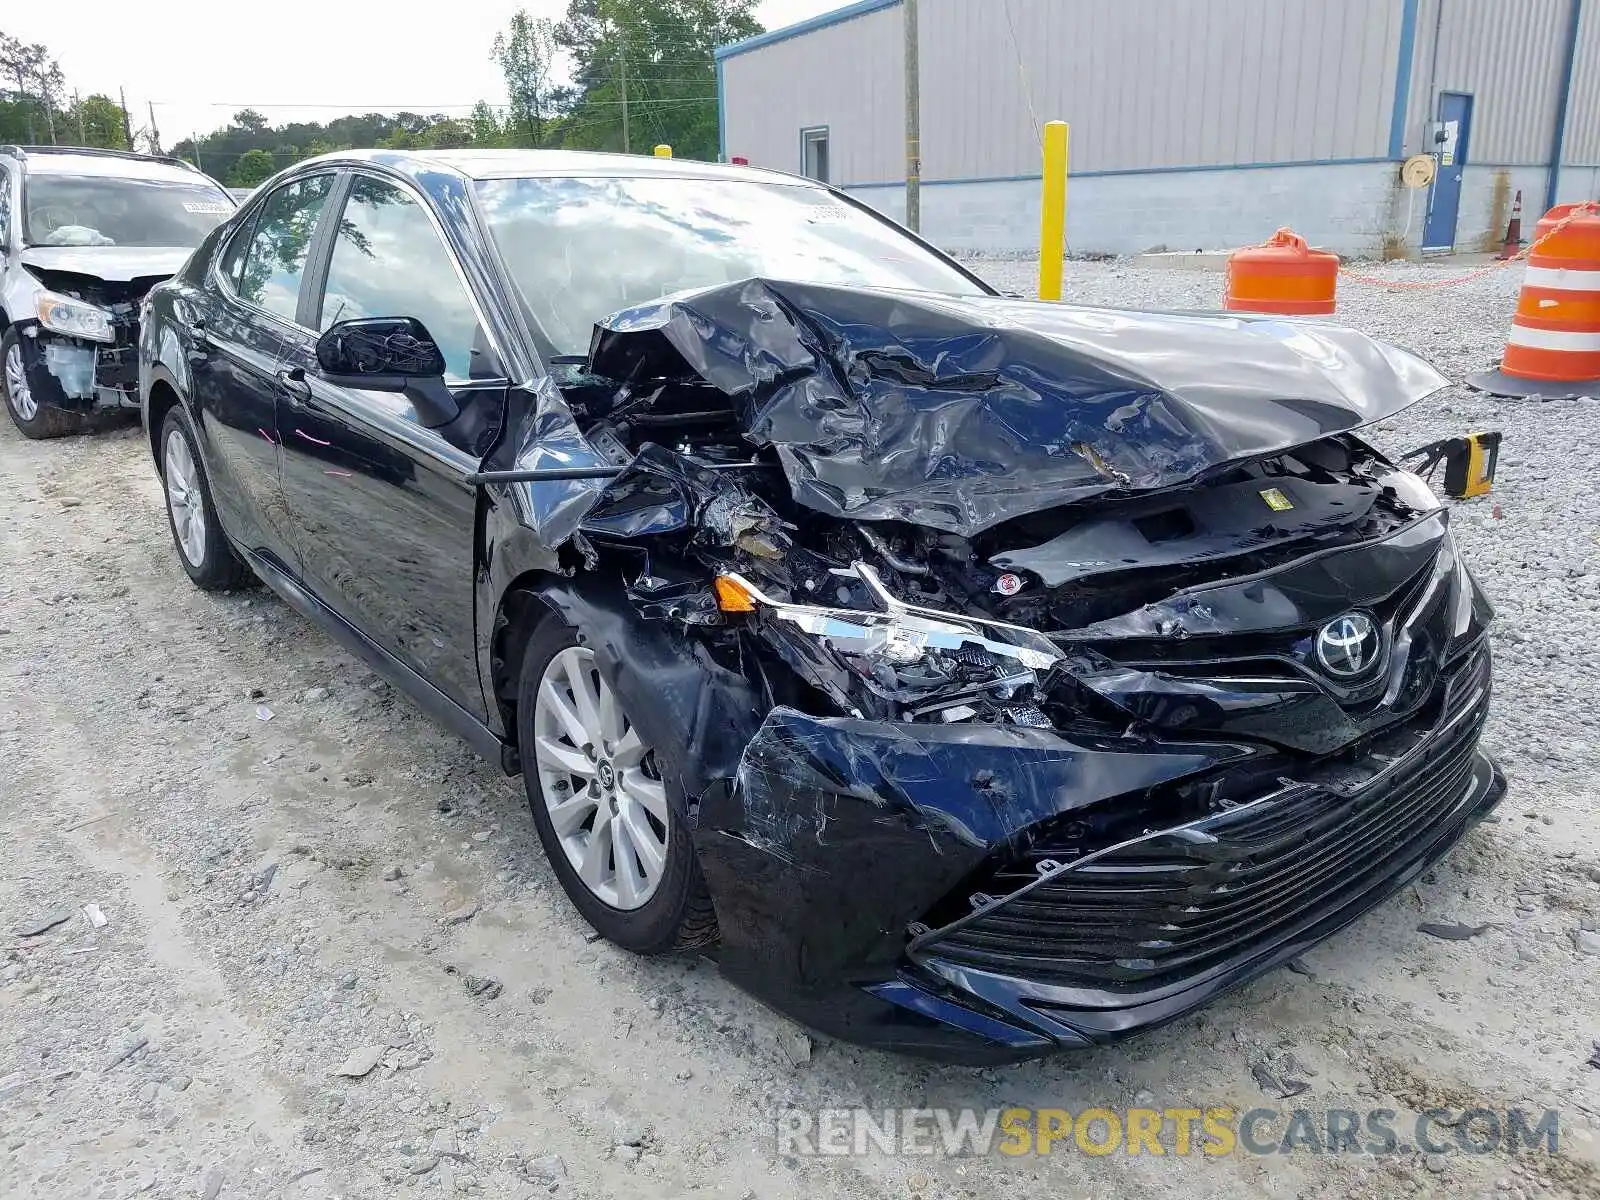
(902, 662)
(63, 314)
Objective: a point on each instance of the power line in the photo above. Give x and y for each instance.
(1022, 71)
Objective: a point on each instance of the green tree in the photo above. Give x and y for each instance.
(253, 167)
(37, 86)
(526, 52)
(652, 60)
(486, 127)
(97, 121)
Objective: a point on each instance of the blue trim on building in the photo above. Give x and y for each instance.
(849, 13)
(722, 115)
(1402, 78)
(1558, 142)
(1255, 166)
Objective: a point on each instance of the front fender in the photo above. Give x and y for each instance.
(163, 358)
(678, 695)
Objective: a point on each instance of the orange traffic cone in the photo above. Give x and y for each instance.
(1282, 275)
(1513, 246)
(1553, 349)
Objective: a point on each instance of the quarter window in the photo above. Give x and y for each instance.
(388, 261)
(5, 203)
(232, 266)
(276, 262)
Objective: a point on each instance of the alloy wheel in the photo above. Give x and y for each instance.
(184, 499)
(17, 384)
(600, 785)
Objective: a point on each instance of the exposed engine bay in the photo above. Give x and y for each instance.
(90, 371)
(950, 528)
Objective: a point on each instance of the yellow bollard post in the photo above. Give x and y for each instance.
(663, 151)
(1053, 222)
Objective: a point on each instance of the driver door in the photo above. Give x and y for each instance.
(384, 523)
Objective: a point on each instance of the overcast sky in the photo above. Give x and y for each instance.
(294, 60)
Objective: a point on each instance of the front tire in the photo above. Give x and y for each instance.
(202, 547)
(611, 827)
(34, 415)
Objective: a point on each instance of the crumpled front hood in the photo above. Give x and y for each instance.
(958, 413)
(113, 264)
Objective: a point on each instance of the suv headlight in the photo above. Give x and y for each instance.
(63, 314)
(903, 662)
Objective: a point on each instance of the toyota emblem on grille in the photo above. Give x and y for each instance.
(1347, 646)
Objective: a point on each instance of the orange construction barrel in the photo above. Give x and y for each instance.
(1283, 275)
(1553, 349)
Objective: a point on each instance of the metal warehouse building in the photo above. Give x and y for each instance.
(1195, 123)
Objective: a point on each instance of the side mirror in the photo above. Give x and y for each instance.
(389, 354)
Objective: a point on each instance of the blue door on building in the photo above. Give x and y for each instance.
(1450, 148)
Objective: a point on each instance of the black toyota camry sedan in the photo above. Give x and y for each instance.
(970, 676)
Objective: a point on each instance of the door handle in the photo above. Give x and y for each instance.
(293, 382)
(199, 343)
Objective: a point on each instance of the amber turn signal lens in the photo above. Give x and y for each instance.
(732, 597)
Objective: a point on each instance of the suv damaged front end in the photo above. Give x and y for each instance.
(80, 336)
(1042, 671)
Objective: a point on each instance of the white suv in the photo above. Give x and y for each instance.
(84, 234)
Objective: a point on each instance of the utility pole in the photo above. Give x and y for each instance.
(127, 122)
(913, 120)
(622, 72)
(77, 106)
(197, 164)
(155, 134)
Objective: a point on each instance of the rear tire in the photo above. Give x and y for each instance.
(598, 780)
(34, 415)
(203, 549)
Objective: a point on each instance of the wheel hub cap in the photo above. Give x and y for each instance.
(17, 384)
(599, 783)
(184, 499)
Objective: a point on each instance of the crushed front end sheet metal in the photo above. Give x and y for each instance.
(926, 600)
(957, 413)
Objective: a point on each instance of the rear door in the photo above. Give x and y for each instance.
(384, 523)
(245, 330)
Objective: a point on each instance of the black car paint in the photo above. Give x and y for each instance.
(822, 840)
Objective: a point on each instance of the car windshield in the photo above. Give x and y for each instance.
(581, 249)
(96, 210)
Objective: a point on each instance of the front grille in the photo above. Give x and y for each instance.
(1178, 902)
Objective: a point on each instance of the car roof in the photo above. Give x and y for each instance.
(106, 164)
(514, 164)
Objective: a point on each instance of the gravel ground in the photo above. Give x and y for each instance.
(300, 875)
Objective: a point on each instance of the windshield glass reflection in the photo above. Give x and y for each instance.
(582, 249)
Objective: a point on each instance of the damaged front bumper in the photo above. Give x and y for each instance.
(78, 374)
(942, 891)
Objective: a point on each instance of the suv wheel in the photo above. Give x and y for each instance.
(611, 828)
(203, 548)
(31, 413)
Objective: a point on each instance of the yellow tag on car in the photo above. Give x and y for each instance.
(1276, 500)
